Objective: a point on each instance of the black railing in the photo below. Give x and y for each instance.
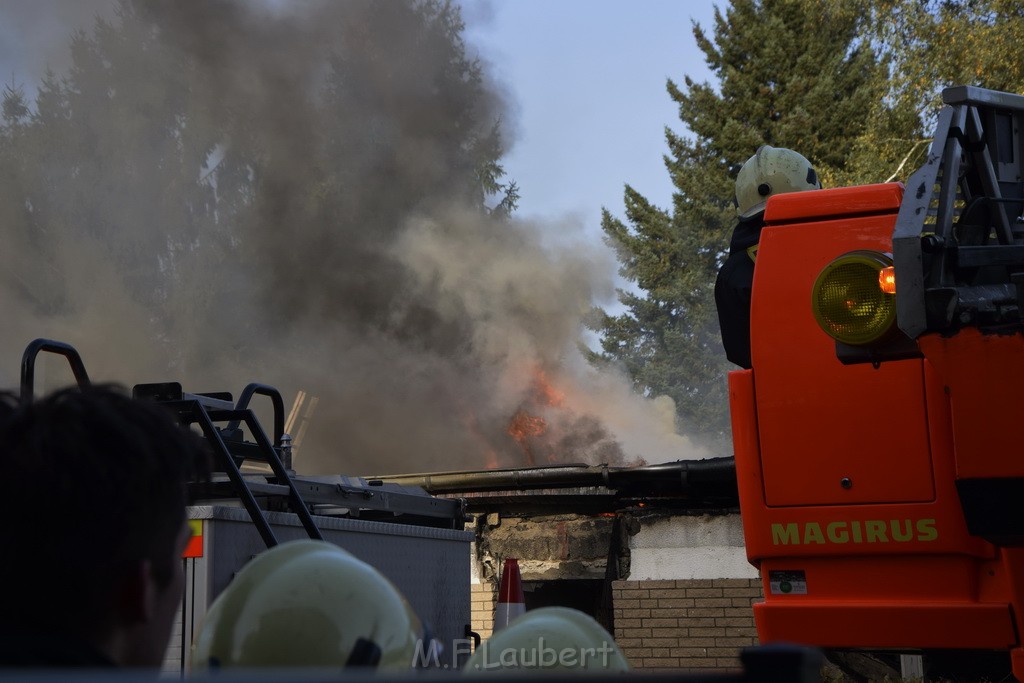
(28, 364)
(958, 245)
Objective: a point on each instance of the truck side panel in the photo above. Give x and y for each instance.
(846, 473)
(829, 432)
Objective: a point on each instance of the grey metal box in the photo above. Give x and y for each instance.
(430, 566)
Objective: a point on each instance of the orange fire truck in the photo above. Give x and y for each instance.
(881, 480)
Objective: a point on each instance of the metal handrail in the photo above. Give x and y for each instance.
(28, 365)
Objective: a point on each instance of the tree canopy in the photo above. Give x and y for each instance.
(789, 74)
(853, 86)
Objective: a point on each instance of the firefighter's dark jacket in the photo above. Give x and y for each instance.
(733, 287)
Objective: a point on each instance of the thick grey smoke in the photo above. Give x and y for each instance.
(336, 244)
(35, 35)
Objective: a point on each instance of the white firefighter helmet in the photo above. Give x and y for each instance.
(548, 639)
(772, 171)
(308, 603)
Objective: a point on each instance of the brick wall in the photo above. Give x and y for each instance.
(482, 601)
(692, 624)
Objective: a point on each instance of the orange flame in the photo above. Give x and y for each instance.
(546, 392)
(491, 460)
(524, 425)
(472, 426)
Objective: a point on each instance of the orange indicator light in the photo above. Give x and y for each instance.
(887, 280)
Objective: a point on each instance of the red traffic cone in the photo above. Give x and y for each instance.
(511, 602)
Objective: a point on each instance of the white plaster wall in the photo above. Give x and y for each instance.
(475, 571)
(685, 547)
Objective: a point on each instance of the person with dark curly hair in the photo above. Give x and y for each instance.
(94, 525)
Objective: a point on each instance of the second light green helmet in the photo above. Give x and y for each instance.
(772, 171)
(310, 604)
(548, 639)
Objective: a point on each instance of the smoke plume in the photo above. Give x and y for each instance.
(297, 194)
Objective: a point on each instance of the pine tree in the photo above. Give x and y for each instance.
(790, 73)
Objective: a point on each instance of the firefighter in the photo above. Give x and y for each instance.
(310, 604)
(94, 528)
(549, 638)
(771, 171)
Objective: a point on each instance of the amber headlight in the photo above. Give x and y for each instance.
(849, 301)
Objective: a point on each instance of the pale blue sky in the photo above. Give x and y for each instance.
(587, 79)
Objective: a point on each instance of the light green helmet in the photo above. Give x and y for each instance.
(307, 604)
(548, 639)
(772, 171)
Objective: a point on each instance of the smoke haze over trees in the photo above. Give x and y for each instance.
(308, 196)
